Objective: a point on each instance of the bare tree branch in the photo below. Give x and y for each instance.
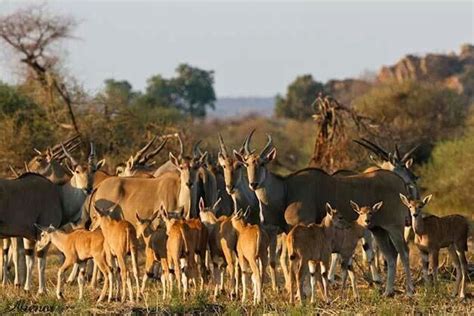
(33, 33)
(332, 119)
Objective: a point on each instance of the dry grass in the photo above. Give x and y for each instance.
(432, 300)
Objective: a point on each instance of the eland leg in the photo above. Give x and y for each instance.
(67, 263)
(457, 266)
(313, 267)
(402, 248)
(73, 275)
(390, 254)
(335, 257)
(284, 260)
(41, 255)
(370, 255)
(29, 258)
(462, 258)
(18, 254)
(4, 267)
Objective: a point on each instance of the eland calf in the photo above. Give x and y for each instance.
(310, 246)
(222, 246)
(155, 251)
(433, 233)
(252, 251)
(121, 239)
(78, 246)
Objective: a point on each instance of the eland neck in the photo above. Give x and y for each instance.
(72, 199)
(185, 198)
(54, 172)
(147, 232)
(271, 195)
(417, 224)
(243, 196)
(58, 239)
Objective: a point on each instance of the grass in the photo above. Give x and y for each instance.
(427, 300)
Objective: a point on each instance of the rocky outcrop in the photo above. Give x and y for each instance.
(448, 69)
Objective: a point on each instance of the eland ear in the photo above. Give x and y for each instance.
(49, 155)
(129, 162)
(409, 163)
(377, 206)
(201, 204)
(163, 213)
(375, 160)
(181, 212)
(329, 208)
(119, 170)
(355, 207)
(427, 199)
(100, 164)
(239, 156)
(220, 156)
(138, 217)
(404, 200)
(99, 211)
(271, 155)
(153, 216)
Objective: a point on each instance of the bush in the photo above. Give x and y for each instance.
(23, 126)
(449, 176)
(415, 113)
(299, 97)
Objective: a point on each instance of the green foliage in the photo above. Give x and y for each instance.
(415, 112)
(12, 101)
(23, 126)
(299, 98)
(191, 91)
(449, 176)
(119, 91)
(195, 90)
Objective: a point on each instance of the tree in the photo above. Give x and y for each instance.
(448, 176)
(191, 91)
(33, 33)
(121, 91)
(160, 92)
(115, 95)
(299, 98)
(23, 126)
(195, 90)
(11, 101)
(335, 124)
(416, 113)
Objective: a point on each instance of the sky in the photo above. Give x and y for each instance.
(255, 48)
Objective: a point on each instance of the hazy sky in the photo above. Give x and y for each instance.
(254, 48)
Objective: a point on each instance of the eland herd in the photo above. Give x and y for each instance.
(205, 224)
